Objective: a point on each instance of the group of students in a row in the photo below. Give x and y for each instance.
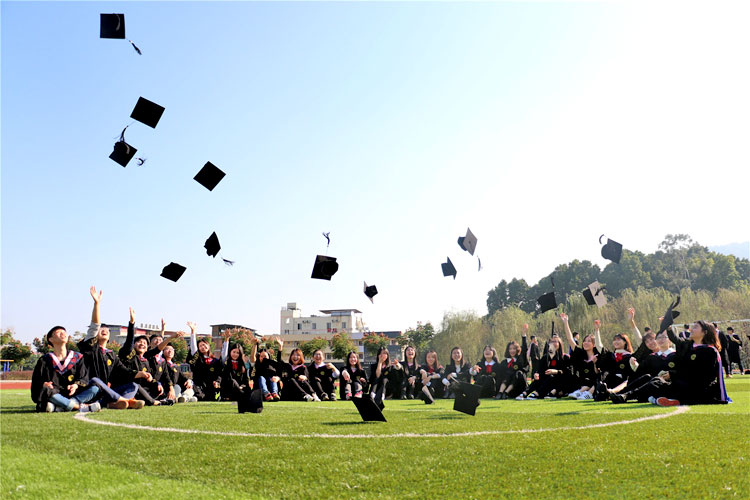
(666, 369)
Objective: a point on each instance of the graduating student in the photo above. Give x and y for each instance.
(432, 375)
(116, 382)
(322, 375)
(133, 356)
(615, 366)
(733, 349)
(206, 367)
(647, 340)
(234, 382)
(267, 373)
(549, 382)
(411, 380)
(353, 378)
(180, 385)
(583, 364)
(487, 372)
(724, 352)
(294, 376)
(655, 365)
(513, 368)
(456, 371)
(697, 375)
(60, 380)
(534, 356)
(380, 370)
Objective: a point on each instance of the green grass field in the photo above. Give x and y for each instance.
(323, 450)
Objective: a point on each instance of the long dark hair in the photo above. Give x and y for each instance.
(237, 346)
(349, 365)
(460, 363)
(507, 349)
(377, 356)
(710, 337)
(494, 353)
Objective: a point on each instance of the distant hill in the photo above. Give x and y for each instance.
(741, 250)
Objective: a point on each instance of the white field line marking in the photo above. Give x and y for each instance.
(83, 417)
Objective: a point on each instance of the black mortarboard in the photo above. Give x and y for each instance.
(173, 271)
(122, 153)
(147, 112)
(368, 410)
(612, 250)
(370, 291)
(594, 295)
(250, 403)
(209, 176)
(448, 269)
(112, 26)
(547, 302)
(468, 242)
(212, 245)
(669, 316)
(324, 267)
(467, 397)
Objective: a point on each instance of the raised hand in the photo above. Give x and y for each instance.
(179, 334)
(597, 323)
(226, 334)
(132, 315)
(631, 313)
(525, 328)
(192, 326)
(96, 296)
(564, 317)
(163, 326)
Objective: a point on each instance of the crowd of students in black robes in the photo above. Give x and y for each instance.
(666, 369)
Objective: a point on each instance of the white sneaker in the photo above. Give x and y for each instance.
(316, 398)
(531, 396)
(307, 397)
(585, 395)
(652, 400)
(519, 397)
(575, 394)
(192, 400)
(93, 408)
(50, 408)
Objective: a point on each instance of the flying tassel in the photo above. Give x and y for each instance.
(136, 48)
(141, 161)
(122, 134)
(227, 261)
(328, 238)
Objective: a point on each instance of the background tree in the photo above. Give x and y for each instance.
(418, 337)
(309, 347)
(180, 349)
(374, 341)
(17, 352)
(341, 345)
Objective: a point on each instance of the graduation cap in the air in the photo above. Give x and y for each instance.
(325, 267)
(173, 271)
(612, 250)
(123, 152)
(147, 112)
(209, 176)
(212, 245)
(594, 295)
(113, 26)
(368, 410)
(670, 315)
(250, 403)
(448, 269)
(371, 291)
(547, 302)
(468, 242)
(467, 398)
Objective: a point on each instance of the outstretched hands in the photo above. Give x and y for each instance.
(94, 295)
(597, 324)
(564, 318)
(631, 313)
(132, 315)
(192, 326)
(525, 328)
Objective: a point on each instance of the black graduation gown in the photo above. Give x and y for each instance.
(614, 367)
(378, 384)
(104, 364)
(356, 375)
(234, 381)
(436, 384)
(408, 371)
(697, 376)
(294, 389)
(321, 379)
(176, 376)
(73, 371)
(547, 383)
(583, 371)
(489, 377)
(206, 371)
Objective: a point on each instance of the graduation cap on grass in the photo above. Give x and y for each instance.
(368, 410)
(209, 176)
(250, 403)
(448, 269)
(325, 267)
(371, 291)
(123, 152)
(611, 250)
(594, 295)
(147, 112)
(467, 398)
(468, 242)
(113, 26)
(670, 315)
(173, 271)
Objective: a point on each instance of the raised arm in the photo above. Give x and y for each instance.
(677, 341)
(127, 347)
(597, 334)
(568, 333)
(636, 331)
(254, 350)
(95, 321)
(225, 345)
(525, 345)
(193, 340)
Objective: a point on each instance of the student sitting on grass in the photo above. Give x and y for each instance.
(181, 386)
(487, 372)
(513, 368)
(267, 374)
(234, 380)
(322, 375)
(294, 376)
(615, 367)
(380, 372)
(353, 378)
(205, 366)
(456, 371)
(432, 374)
(656, 365)
(115, 380)
(132, 354)
(410, 377)
(583, 363)
(60, 380)
(549, 382)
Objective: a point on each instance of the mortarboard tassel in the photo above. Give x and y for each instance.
(480, 263)
(136, 48)
(328, 238)
(227, 261)
(141, 161)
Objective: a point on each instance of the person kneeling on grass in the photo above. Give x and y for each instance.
(181, 386)
(353, 378)
(322, 375)
(60, 380)
(105, 368)
(267, 373)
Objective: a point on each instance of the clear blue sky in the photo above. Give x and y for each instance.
(392, 125)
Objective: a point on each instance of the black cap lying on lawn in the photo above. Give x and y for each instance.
(112, 26)
(594, 295)
(467, 398)
(612, 250)
(448, 269)
(147, 112)
(368, 410)
(173, 271)
(209, 176)
(324, 268)
(250, 403)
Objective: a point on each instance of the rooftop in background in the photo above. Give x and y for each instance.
(333, 312)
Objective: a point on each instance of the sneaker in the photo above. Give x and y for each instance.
(316, 398)
(358, 394)
(276, 397)
(324, 397)
(520, 397)
(550, 397)
(268, 397)
(618, 398)
(403, 396)
(181, 399)
(652, 400)
(531, 396)
(93, 408)
(332, 397)
(411, 396)
(192, 400)
(585, 395)
(136, 404)
(118, 405)
(50, 408)
(667, 402)
(499, 395)
(166, 402)
(307, 397)
(575, 394)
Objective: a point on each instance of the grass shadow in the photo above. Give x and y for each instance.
(337, 424)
